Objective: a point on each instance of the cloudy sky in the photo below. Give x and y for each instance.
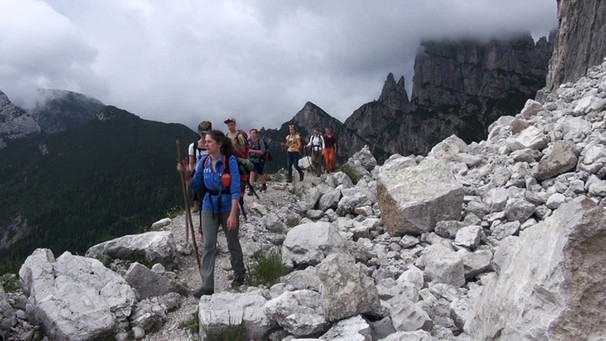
(257, 60)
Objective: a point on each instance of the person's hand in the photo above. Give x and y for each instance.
(180, 167)
(232, 222)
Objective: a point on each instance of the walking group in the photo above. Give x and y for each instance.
(322, 148)
(213, 174)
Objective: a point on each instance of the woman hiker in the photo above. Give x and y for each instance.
(293, 147)
(219, 207)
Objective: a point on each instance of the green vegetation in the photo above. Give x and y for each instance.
(231, 332)
(292, 222)
(265, 269)
(193, 325)
(102, 180)
(350, 173)
(104, 259)
(10, 282)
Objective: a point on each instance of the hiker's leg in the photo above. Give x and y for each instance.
(289, 162)
(330, 159)
(317, 160)
(210, 227)
(296, 164)
(235, 249)
(295, 161)
(251, 179)
(327, 158)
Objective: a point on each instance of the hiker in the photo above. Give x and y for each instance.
(195, 151)
(316, 144)
(293, 147)
(238, 138)
(219, 208)
(257, 149)
(330, 150)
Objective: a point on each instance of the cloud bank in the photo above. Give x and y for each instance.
(257, 60)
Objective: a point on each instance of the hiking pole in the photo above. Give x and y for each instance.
(188, 219)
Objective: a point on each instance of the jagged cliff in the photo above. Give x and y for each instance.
(459, 87)
(581, 40)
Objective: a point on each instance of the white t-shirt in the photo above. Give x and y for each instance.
(193, 151)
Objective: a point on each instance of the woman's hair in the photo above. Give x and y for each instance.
(226, 147)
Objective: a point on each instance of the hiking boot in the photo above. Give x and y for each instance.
(289, 178)
(201, 291)
(264, 187)
(237, 282)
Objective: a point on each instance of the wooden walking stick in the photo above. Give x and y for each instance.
(188, 219)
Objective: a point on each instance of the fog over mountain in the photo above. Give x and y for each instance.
(261, 61)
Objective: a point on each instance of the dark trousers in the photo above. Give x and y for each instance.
(293, 160)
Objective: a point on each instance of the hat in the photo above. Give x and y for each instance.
(230, 119)
(204, 126)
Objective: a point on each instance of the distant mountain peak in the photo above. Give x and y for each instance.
(394, 94)
(59, 110)
(14, 121)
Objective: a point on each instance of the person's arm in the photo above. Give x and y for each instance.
(191, 152)
(232, 220)
(322, 145)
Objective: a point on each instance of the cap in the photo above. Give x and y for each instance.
(204, 126)
(230, 119)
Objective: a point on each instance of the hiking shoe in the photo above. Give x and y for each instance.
(264, 187)
(289, 178)
(237, 282)
(201, 291)
(300, 176)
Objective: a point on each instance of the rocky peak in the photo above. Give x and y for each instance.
(459, 87)
(59, 110)
(312, 116)
(394, 94)
(15, 122)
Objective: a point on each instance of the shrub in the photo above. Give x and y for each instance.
(192, 325)
(350, 172)
(265, 269)
(231, 332)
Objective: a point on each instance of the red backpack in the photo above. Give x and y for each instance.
(243, 154)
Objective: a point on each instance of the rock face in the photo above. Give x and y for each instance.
(581, 40)
(558, 279)
(57, 110)
(459, 87)
(14, 121)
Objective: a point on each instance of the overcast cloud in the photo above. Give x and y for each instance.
(257, 60)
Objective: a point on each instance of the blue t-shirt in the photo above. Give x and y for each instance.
(212, 181)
